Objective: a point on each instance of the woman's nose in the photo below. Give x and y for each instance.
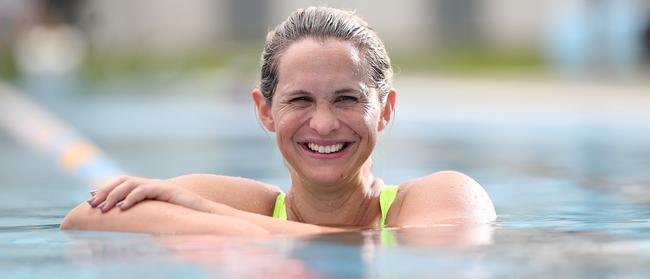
(324, 120)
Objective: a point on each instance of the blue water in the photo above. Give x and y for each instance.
(573, 201)
(572, 241)
(561, 223)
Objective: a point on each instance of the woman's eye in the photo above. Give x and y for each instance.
(347, 99)
(299, 99)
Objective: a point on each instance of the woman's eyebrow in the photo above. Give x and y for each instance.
(302, 92)
(346, 90)
(305, 92)
(298, 92)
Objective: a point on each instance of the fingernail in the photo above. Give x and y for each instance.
(90, 201)
(120, 204)
(102, 205)
(93, 193)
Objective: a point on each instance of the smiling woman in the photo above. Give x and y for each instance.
(325, 90)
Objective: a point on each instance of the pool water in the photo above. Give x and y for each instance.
(572, 198)
(607, 238)
(551, 224)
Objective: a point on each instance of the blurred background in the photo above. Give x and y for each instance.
(511, 92)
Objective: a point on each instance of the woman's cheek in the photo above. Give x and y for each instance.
(370, 111)
(288, 120)
(371, 118)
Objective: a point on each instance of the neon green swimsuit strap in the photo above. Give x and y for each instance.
(386, 198)
(280, 209)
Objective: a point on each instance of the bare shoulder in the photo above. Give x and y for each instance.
(241, 193)
(445, 196)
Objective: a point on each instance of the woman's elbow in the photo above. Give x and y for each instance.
(77, 218)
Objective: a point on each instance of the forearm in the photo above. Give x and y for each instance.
(268, 223)
(158, 217)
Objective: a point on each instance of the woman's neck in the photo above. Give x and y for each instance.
(351, 202)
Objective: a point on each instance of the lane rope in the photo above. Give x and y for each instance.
(32, 125)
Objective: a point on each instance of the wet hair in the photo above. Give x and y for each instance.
(323, 23)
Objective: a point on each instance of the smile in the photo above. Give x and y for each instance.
(325, 149)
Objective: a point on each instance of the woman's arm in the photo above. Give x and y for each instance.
(237, 192)
(157, 217)
(240, 193)
(158, 206)
(270, 224)
(443, 197)
(152, 216)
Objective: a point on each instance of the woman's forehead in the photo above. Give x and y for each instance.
(317, 63)
(313, 47)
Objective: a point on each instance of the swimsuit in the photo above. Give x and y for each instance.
(386, 199)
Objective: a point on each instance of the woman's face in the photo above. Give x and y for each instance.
(325, 116)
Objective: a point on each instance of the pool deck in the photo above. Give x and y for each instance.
(529, 99)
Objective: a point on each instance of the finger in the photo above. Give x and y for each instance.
(119, 193)
(147, 191)
(102, 192)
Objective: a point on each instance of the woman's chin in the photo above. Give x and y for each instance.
(324, 177)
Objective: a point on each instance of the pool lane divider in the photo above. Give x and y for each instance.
(35, 127)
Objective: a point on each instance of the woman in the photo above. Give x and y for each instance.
(325, 91)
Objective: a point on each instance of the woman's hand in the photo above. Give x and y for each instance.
(126, 191)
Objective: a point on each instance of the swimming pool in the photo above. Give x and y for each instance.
(572, 198)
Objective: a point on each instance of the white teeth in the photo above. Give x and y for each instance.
(325, 149)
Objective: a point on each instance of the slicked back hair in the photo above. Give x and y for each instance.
(323, 23)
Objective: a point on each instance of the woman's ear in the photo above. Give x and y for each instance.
(263, 110)
(387, 110)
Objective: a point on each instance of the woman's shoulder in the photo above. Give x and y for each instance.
(444, 196)
(440, 179)
(238, 192)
